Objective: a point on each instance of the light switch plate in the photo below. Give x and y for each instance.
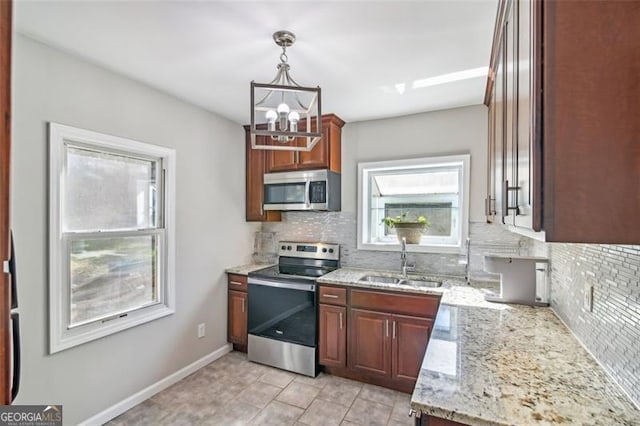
(588, 298)
(201, 331)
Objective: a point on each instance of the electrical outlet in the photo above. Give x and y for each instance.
(588, 298)
(201, 331)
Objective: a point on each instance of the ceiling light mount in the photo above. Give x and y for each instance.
(284, 38)
(288, 113)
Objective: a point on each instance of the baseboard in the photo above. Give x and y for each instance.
(146, 393)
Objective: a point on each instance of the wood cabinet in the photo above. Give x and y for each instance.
(326, 154)
(332, 336)
(255, 169)
(410, 336)
(237, 312)
(563, 135)
(379, 337)
(388, 345)
(369, 343)
(427, 420)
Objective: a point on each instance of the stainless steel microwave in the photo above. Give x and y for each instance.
(302, 190)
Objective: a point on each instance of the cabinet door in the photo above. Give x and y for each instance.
(510, 115)
(590, 125)
(333, 335)
(318, 157)
(370, 342)
(498, 148)
(237, 317)
(523, 138)
(282, 161)
(327, 152)
(255, 169)
(410, 336)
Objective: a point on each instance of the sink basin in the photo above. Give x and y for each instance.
(422, 283)
(379, 279)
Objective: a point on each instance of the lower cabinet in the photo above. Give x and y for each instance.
(375, 336)
(427, 420)
(389, 345)
(332, 339)
(237, 312)
(237, 317)
(410, 336)
(369, 343)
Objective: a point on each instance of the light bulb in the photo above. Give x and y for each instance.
(271, 116)
(283, 109)
(294, 116)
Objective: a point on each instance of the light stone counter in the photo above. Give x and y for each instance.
(498, 364)
(246, 269)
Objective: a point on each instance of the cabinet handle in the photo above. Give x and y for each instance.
(235, 282)
(340, 320)
(505, 198)
(386, 322)
(330, 296)
(393, 329)
(243, 305)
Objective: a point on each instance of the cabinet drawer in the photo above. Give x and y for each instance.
(412, 304)
(237, 282)
(333, 295)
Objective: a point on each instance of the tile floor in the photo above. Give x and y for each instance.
(234, 391)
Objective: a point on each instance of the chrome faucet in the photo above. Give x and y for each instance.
(404, 266)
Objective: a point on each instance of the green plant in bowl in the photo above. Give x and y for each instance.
(410, 230)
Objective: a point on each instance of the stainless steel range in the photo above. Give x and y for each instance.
(283, 306)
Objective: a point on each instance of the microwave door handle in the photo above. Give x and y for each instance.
(307, 191)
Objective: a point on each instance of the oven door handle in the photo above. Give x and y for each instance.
(291, 286)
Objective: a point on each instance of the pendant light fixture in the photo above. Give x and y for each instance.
(283, 113)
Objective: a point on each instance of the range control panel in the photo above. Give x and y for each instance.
(309, 250)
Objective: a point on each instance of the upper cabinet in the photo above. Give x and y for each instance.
(255, 169)
(326, 154)
(564, 144)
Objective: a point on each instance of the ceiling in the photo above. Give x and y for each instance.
(372, 59)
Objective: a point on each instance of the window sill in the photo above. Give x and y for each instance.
(65, 339)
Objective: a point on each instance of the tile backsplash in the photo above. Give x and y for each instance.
(611, 332)
(340, 227)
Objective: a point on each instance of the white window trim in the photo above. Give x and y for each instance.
(61, 337)
(363, 204)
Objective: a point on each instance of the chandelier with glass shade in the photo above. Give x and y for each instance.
(284, 115)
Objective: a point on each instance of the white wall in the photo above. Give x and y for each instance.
(50, 85)
(446, 132)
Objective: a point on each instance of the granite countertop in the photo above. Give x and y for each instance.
(500, 364)
(246, 269)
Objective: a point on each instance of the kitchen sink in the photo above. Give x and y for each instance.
(381, 279)
(422, 283)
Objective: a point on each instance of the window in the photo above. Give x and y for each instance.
(111, 234)
(436, 188)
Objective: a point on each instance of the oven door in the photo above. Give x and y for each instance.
(283, 311)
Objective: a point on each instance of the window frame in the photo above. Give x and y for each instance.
(63, 335)
(365, 170)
